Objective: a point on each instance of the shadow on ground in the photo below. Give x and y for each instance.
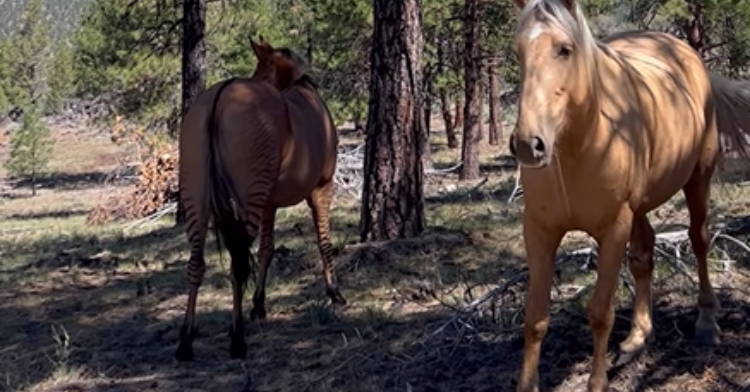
(121, 328)
(127, 345)
(65, 181)
(56, 214)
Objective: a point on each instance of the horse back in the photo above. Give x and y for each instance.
(671, 91)
(309, 152)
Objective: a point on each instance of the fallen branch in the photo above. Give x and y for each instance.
(667, 245)
(167, 209)
(517, 192)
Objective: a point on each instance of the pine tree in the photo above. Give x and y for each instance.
(61, 81)
(30, 148)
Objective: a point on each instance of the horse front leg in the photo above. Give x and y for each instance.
(541, 245)
(601, 312)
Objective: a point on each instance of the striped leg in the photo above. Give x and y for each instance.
(196, 226)
(320, 203)
(265, 255)
(238, 241)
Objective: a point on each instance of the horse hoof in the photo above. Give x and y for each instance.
(336, 297)
(238, 349)
(257, 313)
(706, 336)
(624, 357)
(184, 353)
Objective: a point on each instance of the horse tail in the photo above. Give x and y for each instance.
(221, 190)
(732, 101)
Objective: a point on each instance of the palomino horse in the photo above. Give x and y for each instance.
(249, 146)
(608, 131)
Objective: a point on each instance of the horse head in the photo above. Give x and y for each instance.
(280, 66)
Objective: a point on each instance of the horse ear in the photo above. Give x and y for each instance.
(520, 3)
(255, 46)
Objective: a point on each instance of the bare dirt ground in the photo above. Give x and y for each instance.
(86, 308)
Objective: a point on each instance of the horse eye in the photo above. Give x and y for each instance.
(564, 51)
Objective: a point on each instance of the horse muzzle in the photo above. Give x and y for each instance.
(530, 152)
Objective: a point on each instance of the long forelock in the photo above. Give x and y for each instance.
(572, 23)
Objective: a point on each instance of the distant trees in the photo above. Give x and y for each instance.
(61, 78)
(27, 59)
(146, 60)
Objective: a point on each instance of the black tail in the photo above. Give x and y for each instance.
(221, 191)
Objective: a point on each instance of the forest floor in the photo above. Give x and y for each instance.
(98, 308)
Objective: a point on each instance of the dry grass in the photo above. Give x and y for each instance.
(97, 308)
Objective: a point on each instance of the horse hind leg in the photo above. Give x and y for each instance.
(265, 255)
(320, 204)
(238, 241)
(641, 264)
(697, 193)
(196, 227)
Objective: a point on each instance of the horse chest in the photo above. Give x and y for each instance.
(578, 200)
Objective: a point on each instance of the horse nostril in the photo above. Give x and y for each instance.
(512, 145)
(537, 144)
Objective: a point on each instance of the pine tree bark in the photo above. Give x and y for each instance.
(193, 63)
(496, 130)
(393, 199)
(472, 109)
(193, 51)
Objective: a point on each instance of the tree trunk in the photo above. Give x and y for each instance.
(426, 126)
(459, 104)
(496, 130)
(193, 51)
(472, 110)
(193, 64)
(445, 109)
(33, 184)
(393, 199)
(694, 28)
(480, 105)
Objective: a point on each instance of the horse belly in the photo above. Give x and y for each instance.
(674, 159)
(297, 179)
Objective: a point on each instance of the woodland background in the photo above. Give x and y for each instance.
(92, 263)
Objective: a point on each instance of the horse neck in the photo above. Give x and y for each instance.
(606, 86)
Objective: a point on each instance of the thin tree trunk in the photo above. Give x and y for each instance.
(496, 130)
(427, 105)
(480, 104)
(459, 110)
(472, 110)
(193, 64)
(33, 184)
(393, 199)
(694, 28)
(445, 109)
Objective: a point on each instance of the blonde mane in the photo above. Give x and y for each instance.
(573, 24)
